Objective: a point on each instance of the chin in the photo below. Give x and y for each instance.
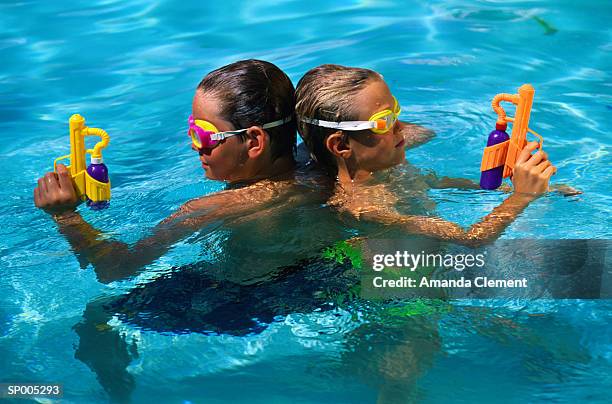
(210, 175)
(401, 157)
(395, 161)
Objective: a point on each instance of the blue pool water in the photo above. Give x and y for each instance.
(130, 67)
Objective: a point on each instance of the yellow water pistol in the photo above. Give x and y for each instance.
(91, 182)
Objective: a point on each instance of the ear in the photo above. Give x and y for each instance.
(338, 145)
(257, 141)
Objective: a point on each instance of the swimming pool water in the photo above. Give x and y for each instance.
(130, 67)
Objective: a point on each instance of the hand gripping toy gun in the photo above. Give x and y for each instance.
(500, 155)
(91, 182)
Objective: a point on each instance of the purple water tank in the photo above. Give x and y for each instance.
(492, 179)
(98, 171)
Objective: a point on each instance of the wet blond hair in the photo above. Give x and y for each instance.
(326, 92)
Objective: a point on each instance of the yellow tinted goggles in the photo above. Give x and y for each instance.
(378, 123)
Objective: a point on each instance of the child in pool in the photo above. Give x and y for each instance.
(250, 104)
(330, 94)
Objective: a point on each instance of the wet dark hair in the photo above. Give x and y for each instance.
(254, 92)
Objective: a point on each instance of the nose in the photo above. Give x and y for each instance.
(200, 151)
(397, 128)
(203, 151)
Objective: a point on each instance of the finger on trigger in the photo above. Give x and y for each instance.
(535, 159)
(526, 152)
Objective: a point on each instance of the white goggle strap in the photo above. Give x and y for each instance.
(346, 125)
(277, 123)
(225, 135)
(229, 133)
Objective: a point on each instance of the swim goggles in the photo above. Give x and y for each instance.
(205, 135)
(379, 123)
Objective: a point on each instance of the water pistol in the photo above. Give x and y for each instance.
(91, 182)
(500, 155)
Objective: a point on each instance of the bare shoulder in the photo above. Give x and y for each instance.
(415, 135)
(231, 201)
(257, 193)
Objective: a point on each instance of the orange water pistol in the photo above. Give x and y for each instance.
(500, 155)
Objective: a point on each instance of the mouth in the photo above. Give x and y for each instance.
(401, 143)
(204, 165)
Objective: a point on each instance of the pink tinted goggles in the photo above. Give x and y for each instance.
(205, 135)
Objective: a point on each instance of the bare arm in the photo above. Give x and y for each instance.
(486, 230)
(376, 204)
(113, 259)
(531, 177)
(435, 182)
(463, 183)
